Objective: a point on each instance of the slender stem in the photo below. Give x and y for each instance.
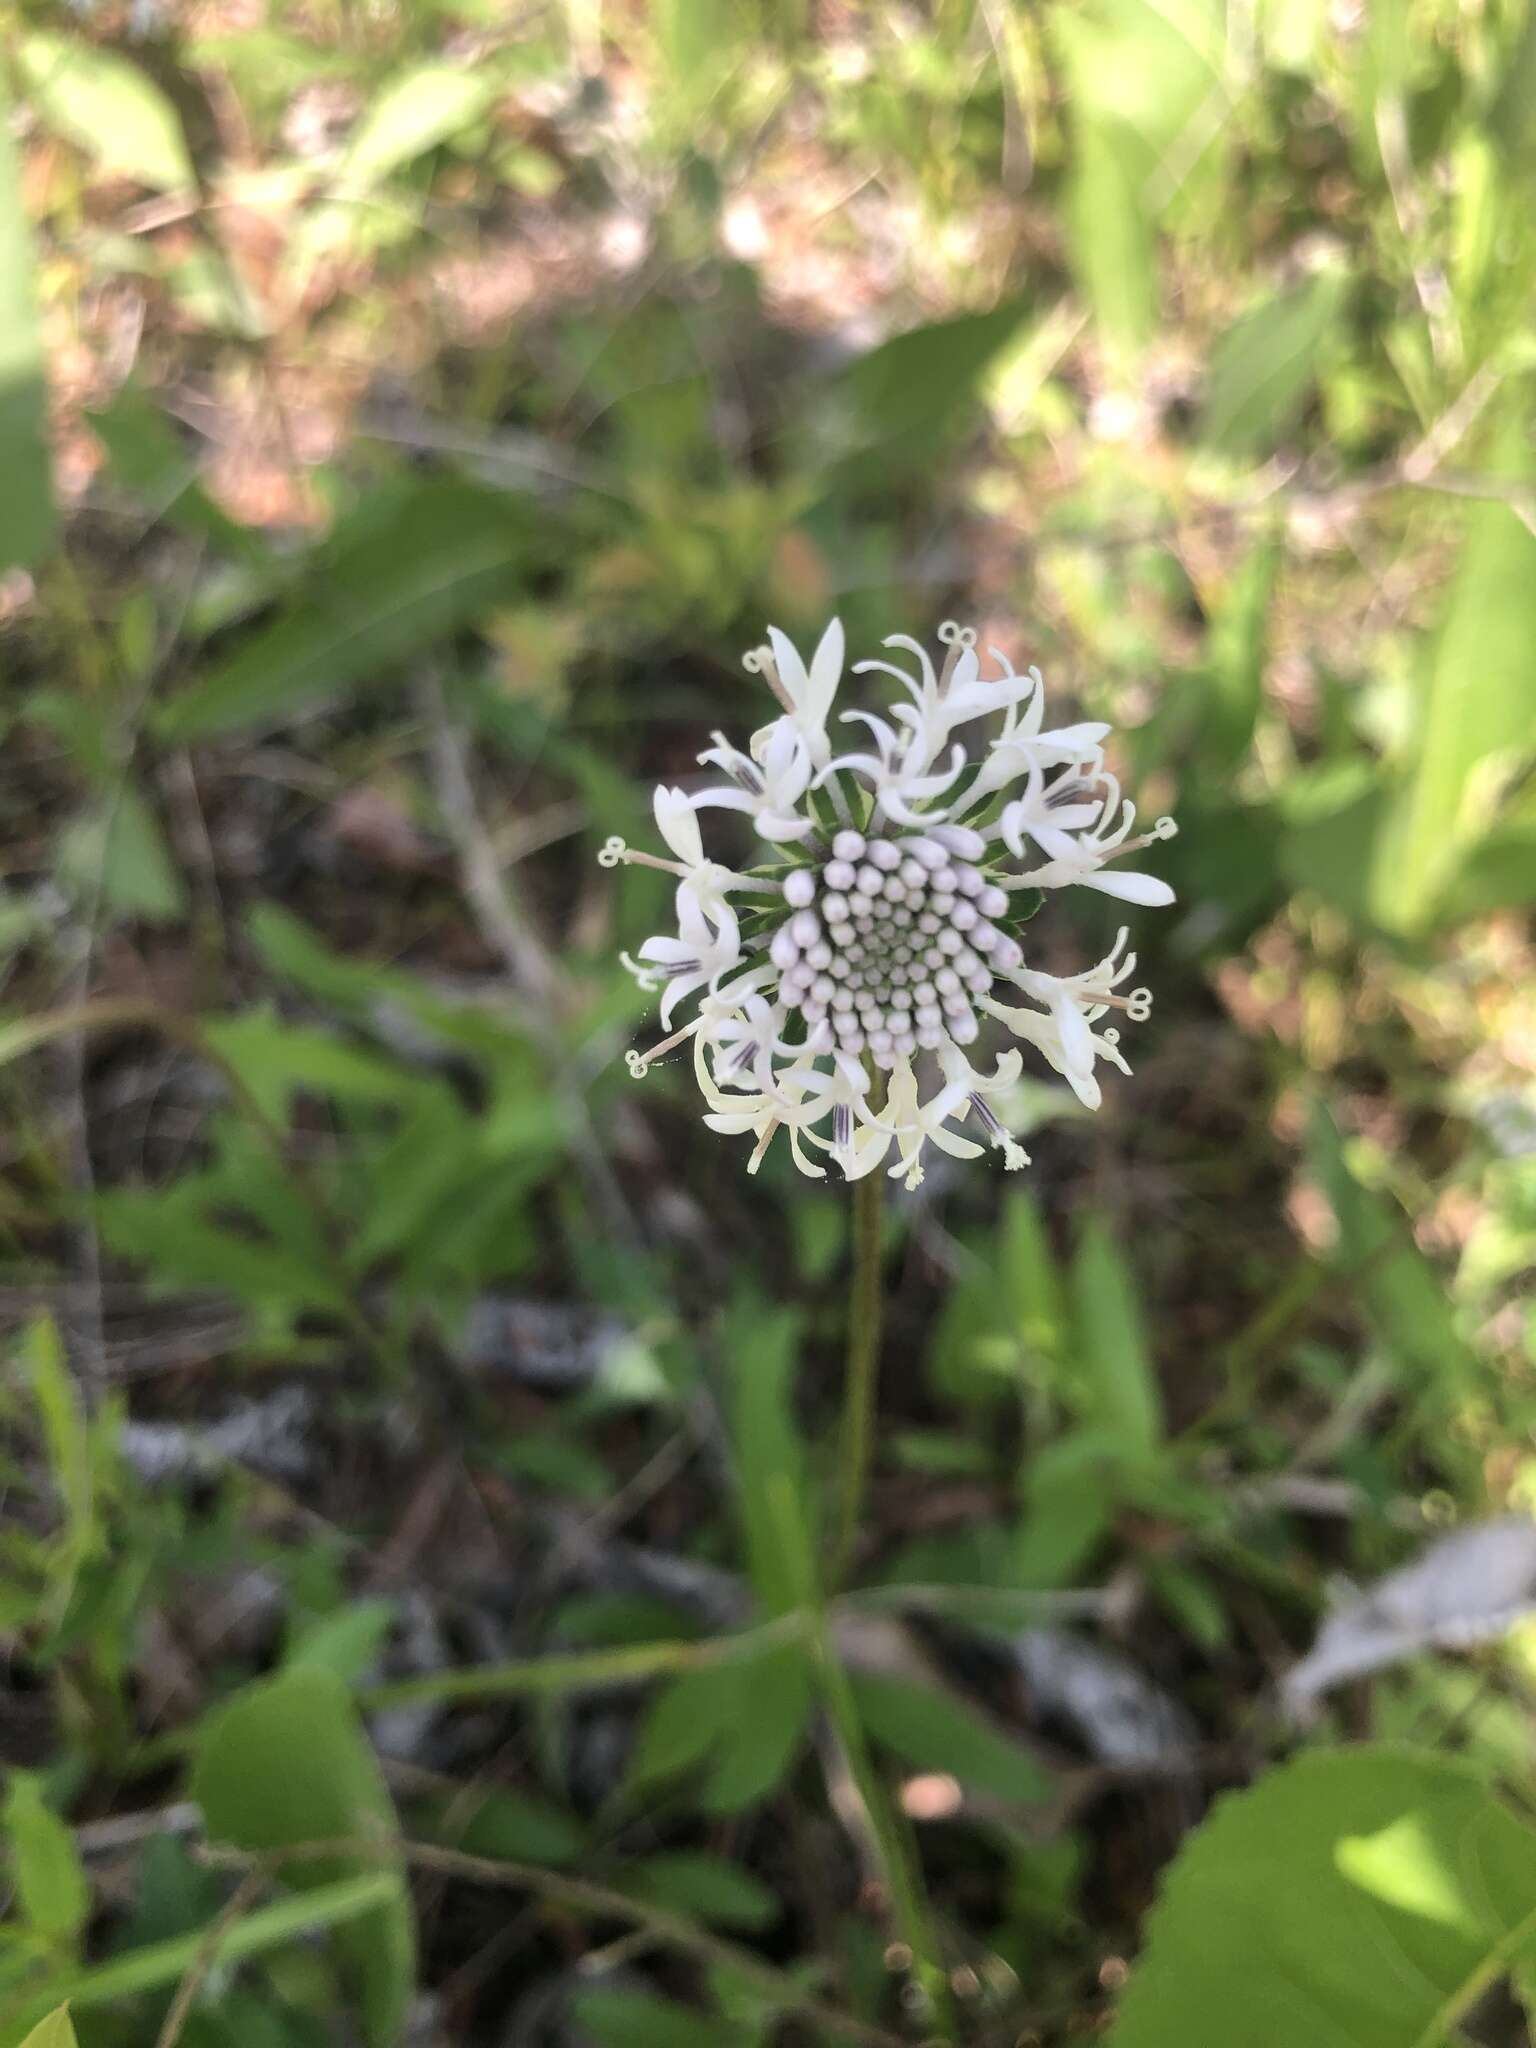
(580, 1895)
(892, 1840)
(857, 1426)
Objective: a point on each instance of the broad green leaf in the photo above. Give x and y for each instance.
(740, 1723)
(1352, 1899)
(512, 1827)
(705, 1887)
(411, 566)
(286, 1763)
(108, 107)
(640, 2019)
(53, 2032)
(26, 503)
(1264, 364)
(275, 1060)
(345, 1643)
(416, 111)
(1118, 1386)
(1138, 75)
(1114, 245)
(1479, 711)
(896, 404)
(45, 1866)
(932, 1729)
(774, 1500)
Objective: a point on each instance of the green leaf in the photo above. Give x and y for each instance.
(149, 460)
(349, 1903)
(50, 1880)
(412, 566)
(932, 1729)
(763, 1349)
(705, 1887)
(1113, 244)
(741, 1722)
(417, 110)
(120, 847)
(1137, 75)
(1352, 1899)
(896, 405)
(1119, 1388)
(53, 2032)
(286, 1763)
(1236, 648)
(639, 2019)
(1263, 365)
(345, 1643)
(1403, 1297)
(511, 1827)
(1477, 708)
(109, 108)
(26, 503)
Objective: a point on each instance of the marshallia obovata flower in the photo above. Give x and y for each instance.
(841, 984)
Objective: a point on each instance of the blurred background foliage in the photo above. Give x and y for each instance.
(409, 412)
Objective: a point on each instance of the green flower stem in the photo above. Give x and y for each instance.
(892, 1838)
(864, 1320)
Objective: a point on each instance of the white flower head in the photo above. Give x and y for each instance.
(843, 979)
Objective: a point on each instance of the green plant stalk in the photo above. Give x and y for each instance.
(856, 1429)
(892, 1837)
(164, 1962)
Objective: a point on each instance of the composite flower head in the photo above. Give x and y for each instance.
(843, 981)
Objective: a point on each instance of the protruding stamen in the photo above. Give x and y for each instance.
(612, 853)
(759, 661)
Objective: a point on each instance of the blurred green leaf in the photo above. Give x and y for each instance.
(740, 1722)
(107, 107)
(285, 1763)
(345, 1643)
(1367, 1897)
(507, 1826)
(640, 2019)
(45, 1867)
(1263, 365)
(933, 1729)
(416, 562)
(1236, 649)
(290, 1920)
(417, 109)
(150, 460)
(1138, 75)
(1478, 707)
(895, 406)
(1118, 1385)
(53, 2032)
(26, 504)
(705, 1887)
(763, 1347)
(118, 851)
(1404, 1298)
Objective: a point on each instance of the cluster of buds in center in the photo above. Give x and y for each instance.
(891, 942)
